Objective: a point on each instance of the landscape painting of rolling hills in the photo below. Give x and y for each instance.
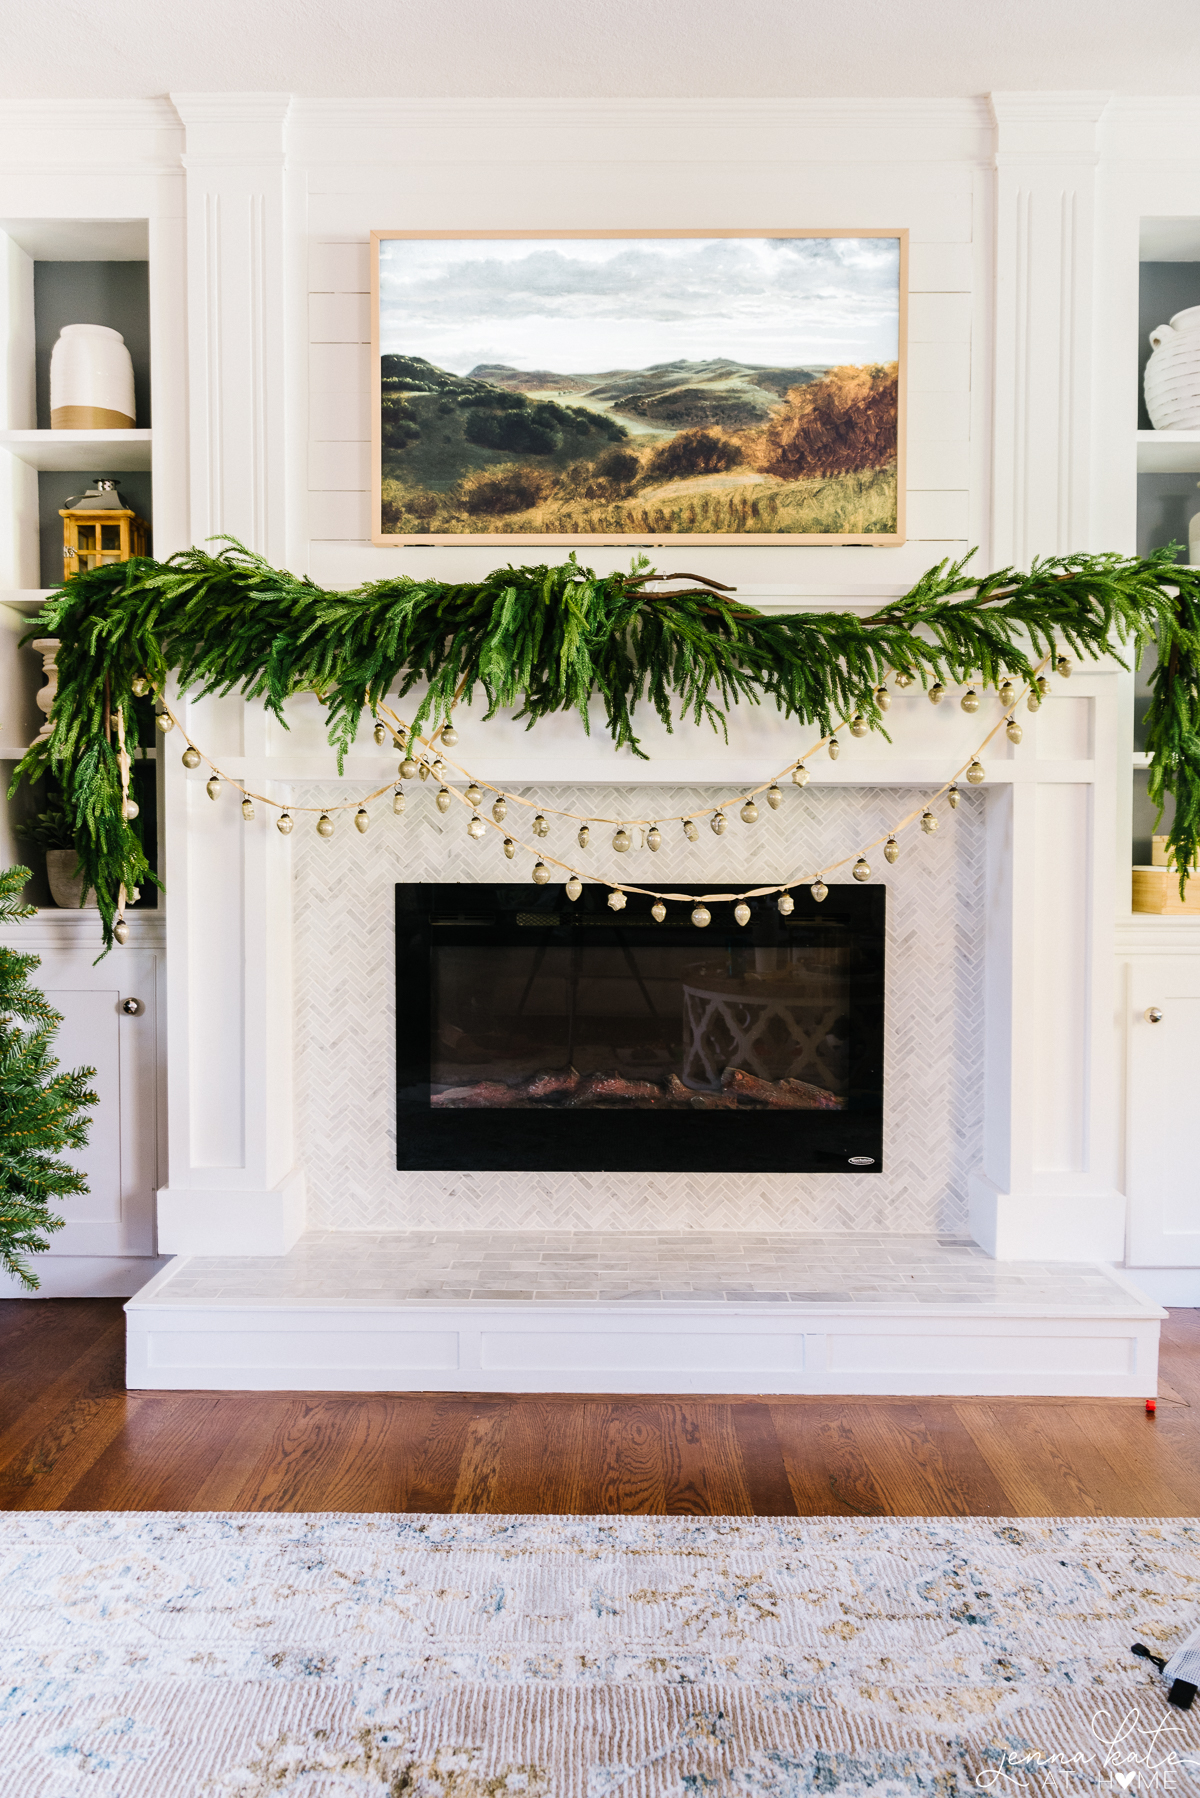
(575, 389)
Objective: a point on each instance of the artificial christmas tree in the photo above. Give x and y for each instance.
(41, 1111)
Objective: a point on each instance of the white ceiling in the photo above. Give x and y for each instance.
(598, 48)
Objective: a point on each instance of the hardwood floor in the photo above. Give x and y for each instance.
(71, 1437)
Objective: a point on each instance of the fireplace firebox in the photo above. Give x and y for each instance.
(537, 1034)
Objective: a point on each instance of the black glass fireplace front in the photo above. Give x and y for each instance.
(533, 1033)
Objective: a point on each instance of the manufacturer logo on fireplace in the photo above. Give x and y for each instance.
(862, 1161)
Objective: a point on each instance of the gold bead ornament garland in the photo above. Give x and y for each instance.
(428, 762)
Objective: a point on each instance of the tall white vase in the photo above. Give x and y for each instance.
(91, 381)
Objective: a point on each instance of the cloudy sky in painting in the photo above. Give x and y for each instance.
(583, 305)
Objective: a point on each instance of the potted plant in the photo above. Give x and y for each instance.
(52, 831)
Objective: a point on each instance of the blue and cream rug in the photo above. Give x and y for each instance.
(175, 1655)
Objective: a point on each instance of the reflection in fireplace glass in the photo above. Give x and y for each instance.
(642, 1025)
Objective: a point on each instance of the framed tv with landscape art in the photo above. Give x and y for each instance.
(639, 387)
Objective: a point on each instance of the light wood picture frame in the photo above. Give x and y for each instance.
(524, 386)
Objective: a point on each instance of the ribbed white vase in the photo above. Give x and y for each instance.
(91, 381)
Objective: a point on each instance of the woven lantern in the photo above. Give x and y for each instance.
(98, 527)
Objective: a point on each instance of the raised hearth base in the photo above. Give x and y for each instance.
(581, 1312)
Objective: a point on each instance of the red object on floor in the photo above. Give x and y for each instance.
(1151, 1407)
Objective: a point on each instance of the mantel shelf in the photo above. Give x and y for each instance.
(1168, 452)
(67, 452)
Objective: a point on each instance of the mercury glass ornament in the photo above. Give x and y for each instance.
(422, 769)
(500, 808)
(621, 840)
(1013, 731)
(785, 905)
(701, 916)
(774, 797)
(540, 826)
(449, 736)
(741, 912)
(658, 911)
(975, 773)
(213, 787)
(835, 749)
(380, 733)
(473, 795)
(883, 698)
(362, 819)
(1007, 693)
(583, 836)
(190, 757)
(616, 900)
(1033, 703)
(139, 686)
(861, 869)
(121, 931)
(800, 775)
(130, 809)
(749, 812)
(248, 810)
(324, 825)
(937, 693)
(970, 700)
(858, 725)
(691, 831)
(891, 849)
(1043, 686)
(442, 800)
(574, 888)
(953, 796)
(408, 769)
(397, 802)
(929, 822)
(476, 827)
(903, 678)
(438, 767)
(510, 848)
(819, 890)
(1062, 666)
(541, 873)
(717, 824)
(164, 721)
(284, 824)
(654, 839)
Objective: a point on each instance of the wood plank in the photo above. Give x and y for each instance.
(543, 1467)
(828, 1472)
(763, 1470)
(482, 1448)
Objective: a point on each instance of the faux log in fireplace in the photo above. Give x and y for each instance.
(533, 1033)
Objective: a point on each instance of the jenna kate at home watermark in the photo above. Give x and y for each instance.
(1139, 1754)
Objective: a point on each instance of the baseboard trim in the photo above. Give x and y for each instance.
(86, 1276)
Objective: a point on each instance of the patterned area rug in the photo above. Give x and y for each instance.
(169, 1655)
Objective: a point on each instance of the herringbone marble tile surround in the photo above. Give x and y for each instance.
(344, 896)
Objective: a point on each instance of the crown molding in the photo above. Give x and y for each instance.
(1083, 108)
(58, 115)
(232, 109)
(621, 114)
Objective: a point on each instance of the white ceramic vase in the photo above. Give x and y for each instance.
(91, 381)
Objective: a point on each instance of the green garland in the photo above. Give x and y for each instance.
(547, 639)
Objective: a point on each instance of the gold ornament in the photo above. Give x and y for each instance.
(621, 840)
(438, 767)
(139, 686)
(1013, 731)
(540, 826)
(190, 757)
(774, 797)
(835, 749)
(442, 799)
(574, 888)
(785, 904)
(129, 809)
(1007, 693)
(362, 819)
(165, 722)
(324, 825)
(1043, 685)
(936, 693)
(473, 795)
(500, 809)
(929, 822)
(701, 916)
(248, 809)
(818, 889)
(800, 775)
(717, 824)
(380, 733)
(541, 873)
(741, 912)
(658, 911)
(1033, 703)
(408, 770)
(883, 698)
(121, 931)
(449, 736)
(970, 700)
(903, 678)
(891, 849)
(422, 769)
(583, 836)
(397, 802)
(476, 827)
(975, 773)
(749, 812)
(1062, 666)
(616, 900)
(953, 796)
(510, 848)
(284, 825)
(861, 869)
(858, 725)
(691, 831)
(213, 786)
(654, 839)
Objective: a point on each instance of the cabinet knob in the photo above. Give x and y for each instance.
(1152, 1014)
(133, 1008)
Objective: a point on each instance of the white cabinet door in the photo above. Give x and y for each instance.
(120, 1162)
(1163, 1139)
